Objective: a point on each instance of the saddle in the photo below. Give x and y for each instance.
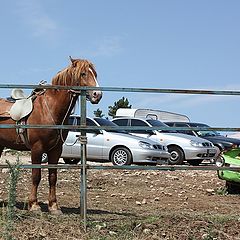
(19, 105)
(22, 106)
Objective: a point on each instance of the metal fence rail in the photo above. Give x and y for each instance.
(131, 167)
(119, 89)
(84, 166)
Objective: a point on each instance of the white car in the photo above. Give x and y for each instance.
(118, 147)
(181, 146)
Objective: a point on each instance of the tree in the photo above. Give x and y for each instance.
(121, 103)
(98, 113)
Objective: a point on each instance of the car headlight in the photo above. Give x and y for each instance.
(220, 161)
(145, 145)
(195, 143)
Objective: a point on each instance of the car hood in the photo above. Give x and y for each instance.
(223, 139)
(185, 137)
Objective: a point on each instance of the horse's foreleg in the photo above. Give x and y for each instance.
(53, 157)
(36, 156)
(33, 202)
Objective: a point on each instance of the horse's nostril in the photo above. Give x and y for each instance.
(97, 95)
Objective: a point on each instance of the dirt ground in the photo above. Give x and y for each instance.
(125, 204)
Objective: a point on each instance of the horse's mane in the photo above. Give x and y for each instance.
(71, 75)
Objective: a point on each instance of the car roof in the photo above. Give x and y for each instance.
(139, 118)
(189, 123)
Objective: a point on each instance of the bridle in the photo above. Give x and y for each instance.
(82, 74)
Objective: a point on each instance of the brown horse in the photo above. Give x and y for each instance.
(50, 107)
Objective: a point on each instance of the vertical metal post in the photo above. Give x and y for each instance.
(83, 187)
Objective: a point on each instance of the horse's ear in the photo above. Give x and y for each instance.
(73, 61)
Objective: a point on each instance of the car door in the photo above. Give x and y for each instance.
(71, 137)
(94, 142)
(139, 132)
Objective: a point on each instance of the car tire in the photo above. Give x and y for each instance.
(195, 162)
(232, 187)
(121, 156)
(71, 160)
(177, 155)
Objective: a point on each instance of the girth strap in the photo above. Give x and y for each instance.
(22, 133)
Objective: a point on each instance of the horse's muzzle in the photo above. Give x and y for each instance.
(94, 96)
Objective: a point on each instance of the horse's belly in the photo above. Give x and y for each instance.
(10, 139)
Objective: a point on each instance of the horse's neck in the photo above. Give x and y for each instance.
(60, 104)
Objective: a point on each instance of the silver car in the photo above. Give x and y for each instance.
(118, 147)
(181, 146)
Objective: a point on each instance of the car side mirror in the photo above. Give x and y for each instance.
(94, 131)
(150, 132)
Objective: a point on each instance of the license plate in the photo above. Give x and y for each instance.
(211, 151)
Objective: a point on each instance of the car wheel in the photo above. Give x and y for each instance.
(71, 160)
(232, 187)
(121, 156)
(177, 155)
(195, 162)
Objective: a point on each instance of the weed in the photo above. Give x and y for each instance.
(8, 214)
(222, 191)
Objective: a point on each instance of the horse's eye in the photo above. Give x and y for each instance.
(83, 74)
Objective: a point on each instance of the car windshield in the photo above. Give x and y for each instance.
(204, 133)
(104, 122)
(157, 123)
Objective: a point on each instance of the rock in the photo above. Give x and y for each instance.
(99, 227)
(5, 170)
(112, 233)
(210, 191)
(146, 231)
(138, 203)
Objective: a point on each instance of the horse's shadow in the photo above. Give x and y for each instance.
(67, 210)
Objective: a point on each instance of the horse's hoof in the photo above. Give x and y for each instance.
(35, 209)
(56, 212)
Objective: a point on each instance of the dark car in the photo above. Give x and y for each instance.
(220, 141)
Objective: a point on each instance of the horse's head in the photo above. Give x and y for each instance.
(80, 73)
(85, 74)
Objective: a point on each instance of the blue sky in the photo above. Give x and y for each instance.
(133, 43)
